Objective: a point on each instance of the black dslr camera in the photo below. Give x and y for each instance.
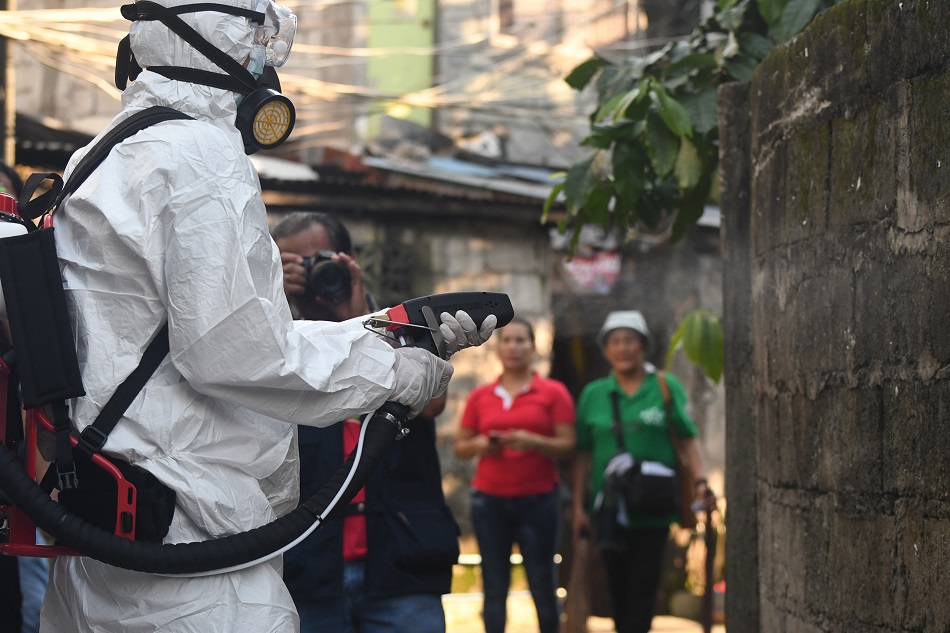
(325, 277)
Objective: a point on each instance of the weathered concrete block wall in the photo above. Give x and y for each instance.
(846, 239)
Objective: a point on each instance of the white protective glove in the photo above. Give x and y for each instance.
(420, 377)
(459, 331)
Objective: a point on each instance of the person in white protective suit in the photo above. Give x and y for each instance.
(172, 227)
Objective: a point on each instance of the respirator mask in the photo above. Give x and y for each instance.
(265, 117)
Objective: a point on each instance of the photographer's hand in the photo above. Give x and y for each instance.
(354, 305)
(294, 274)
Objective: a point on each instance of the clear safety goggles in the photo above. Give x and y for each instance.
(273, 39)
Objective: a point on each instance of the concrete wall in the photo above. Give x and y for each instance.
(836, 291)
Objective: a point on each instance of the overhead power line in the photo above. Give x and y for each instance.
(82, 43)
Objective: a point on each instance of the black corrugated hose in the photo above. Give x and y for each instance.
(205, 556)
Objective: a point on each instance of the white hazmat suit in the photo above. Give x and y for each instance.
(172, 227)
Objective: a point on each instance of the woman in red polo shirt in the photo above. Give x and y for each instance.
(518, 427)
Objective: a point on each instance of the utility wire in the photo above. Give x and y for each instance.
(81, 43)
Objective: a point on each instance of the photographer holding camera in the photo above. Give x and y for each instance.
(384, 566)
(321, 278)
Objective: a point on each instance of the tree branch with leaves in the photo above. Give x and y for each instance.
(654, 135)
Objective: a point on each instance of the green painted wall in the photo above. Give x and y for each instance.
(400, 23)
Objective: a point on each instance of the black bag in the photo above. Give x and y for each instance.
(94, 501)
(647, 494)
(423, 537)
(648, 489)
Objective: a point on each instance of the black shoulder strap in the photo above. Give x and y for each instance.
(134, 124)
(49, 201)
(94, 436)
(667, 398)
(618, 424)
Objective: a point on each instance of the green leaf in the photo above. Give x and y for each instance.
(581, 180)
(584, 72)
(550, 200)
(678, 49)
(755, 45)
(604, 135)
(597, 206)
(609, 108)
(688, 211)
(689, 168)
(615, 80)
(662, 144)
(624, 103)
(575, 240)
(629, 157)
(638, 108)
(699, 335)
(741, 67)
(703, 109)
(795, 17)
(597, 141)
(690, 63)
(656, 56)
(672, 113)
(772, 10)
(628, 163)
(731, 19)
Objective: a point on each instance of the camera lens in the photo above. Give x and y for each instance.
(327, 278)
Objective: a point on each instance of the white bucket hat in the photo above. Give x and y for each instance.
(630, 319)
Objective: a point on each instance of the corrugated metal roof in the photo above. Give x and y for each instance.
(43, 142)
(283, 170)
(510, 179)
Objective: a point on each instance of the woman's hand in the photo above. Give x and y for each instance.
(580, 475)
(521, 440)
(489, 444)
(469, 444)
(580, 523)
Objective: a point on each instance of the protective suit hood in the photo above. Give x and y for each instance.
(207, 47)
(154, 44)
